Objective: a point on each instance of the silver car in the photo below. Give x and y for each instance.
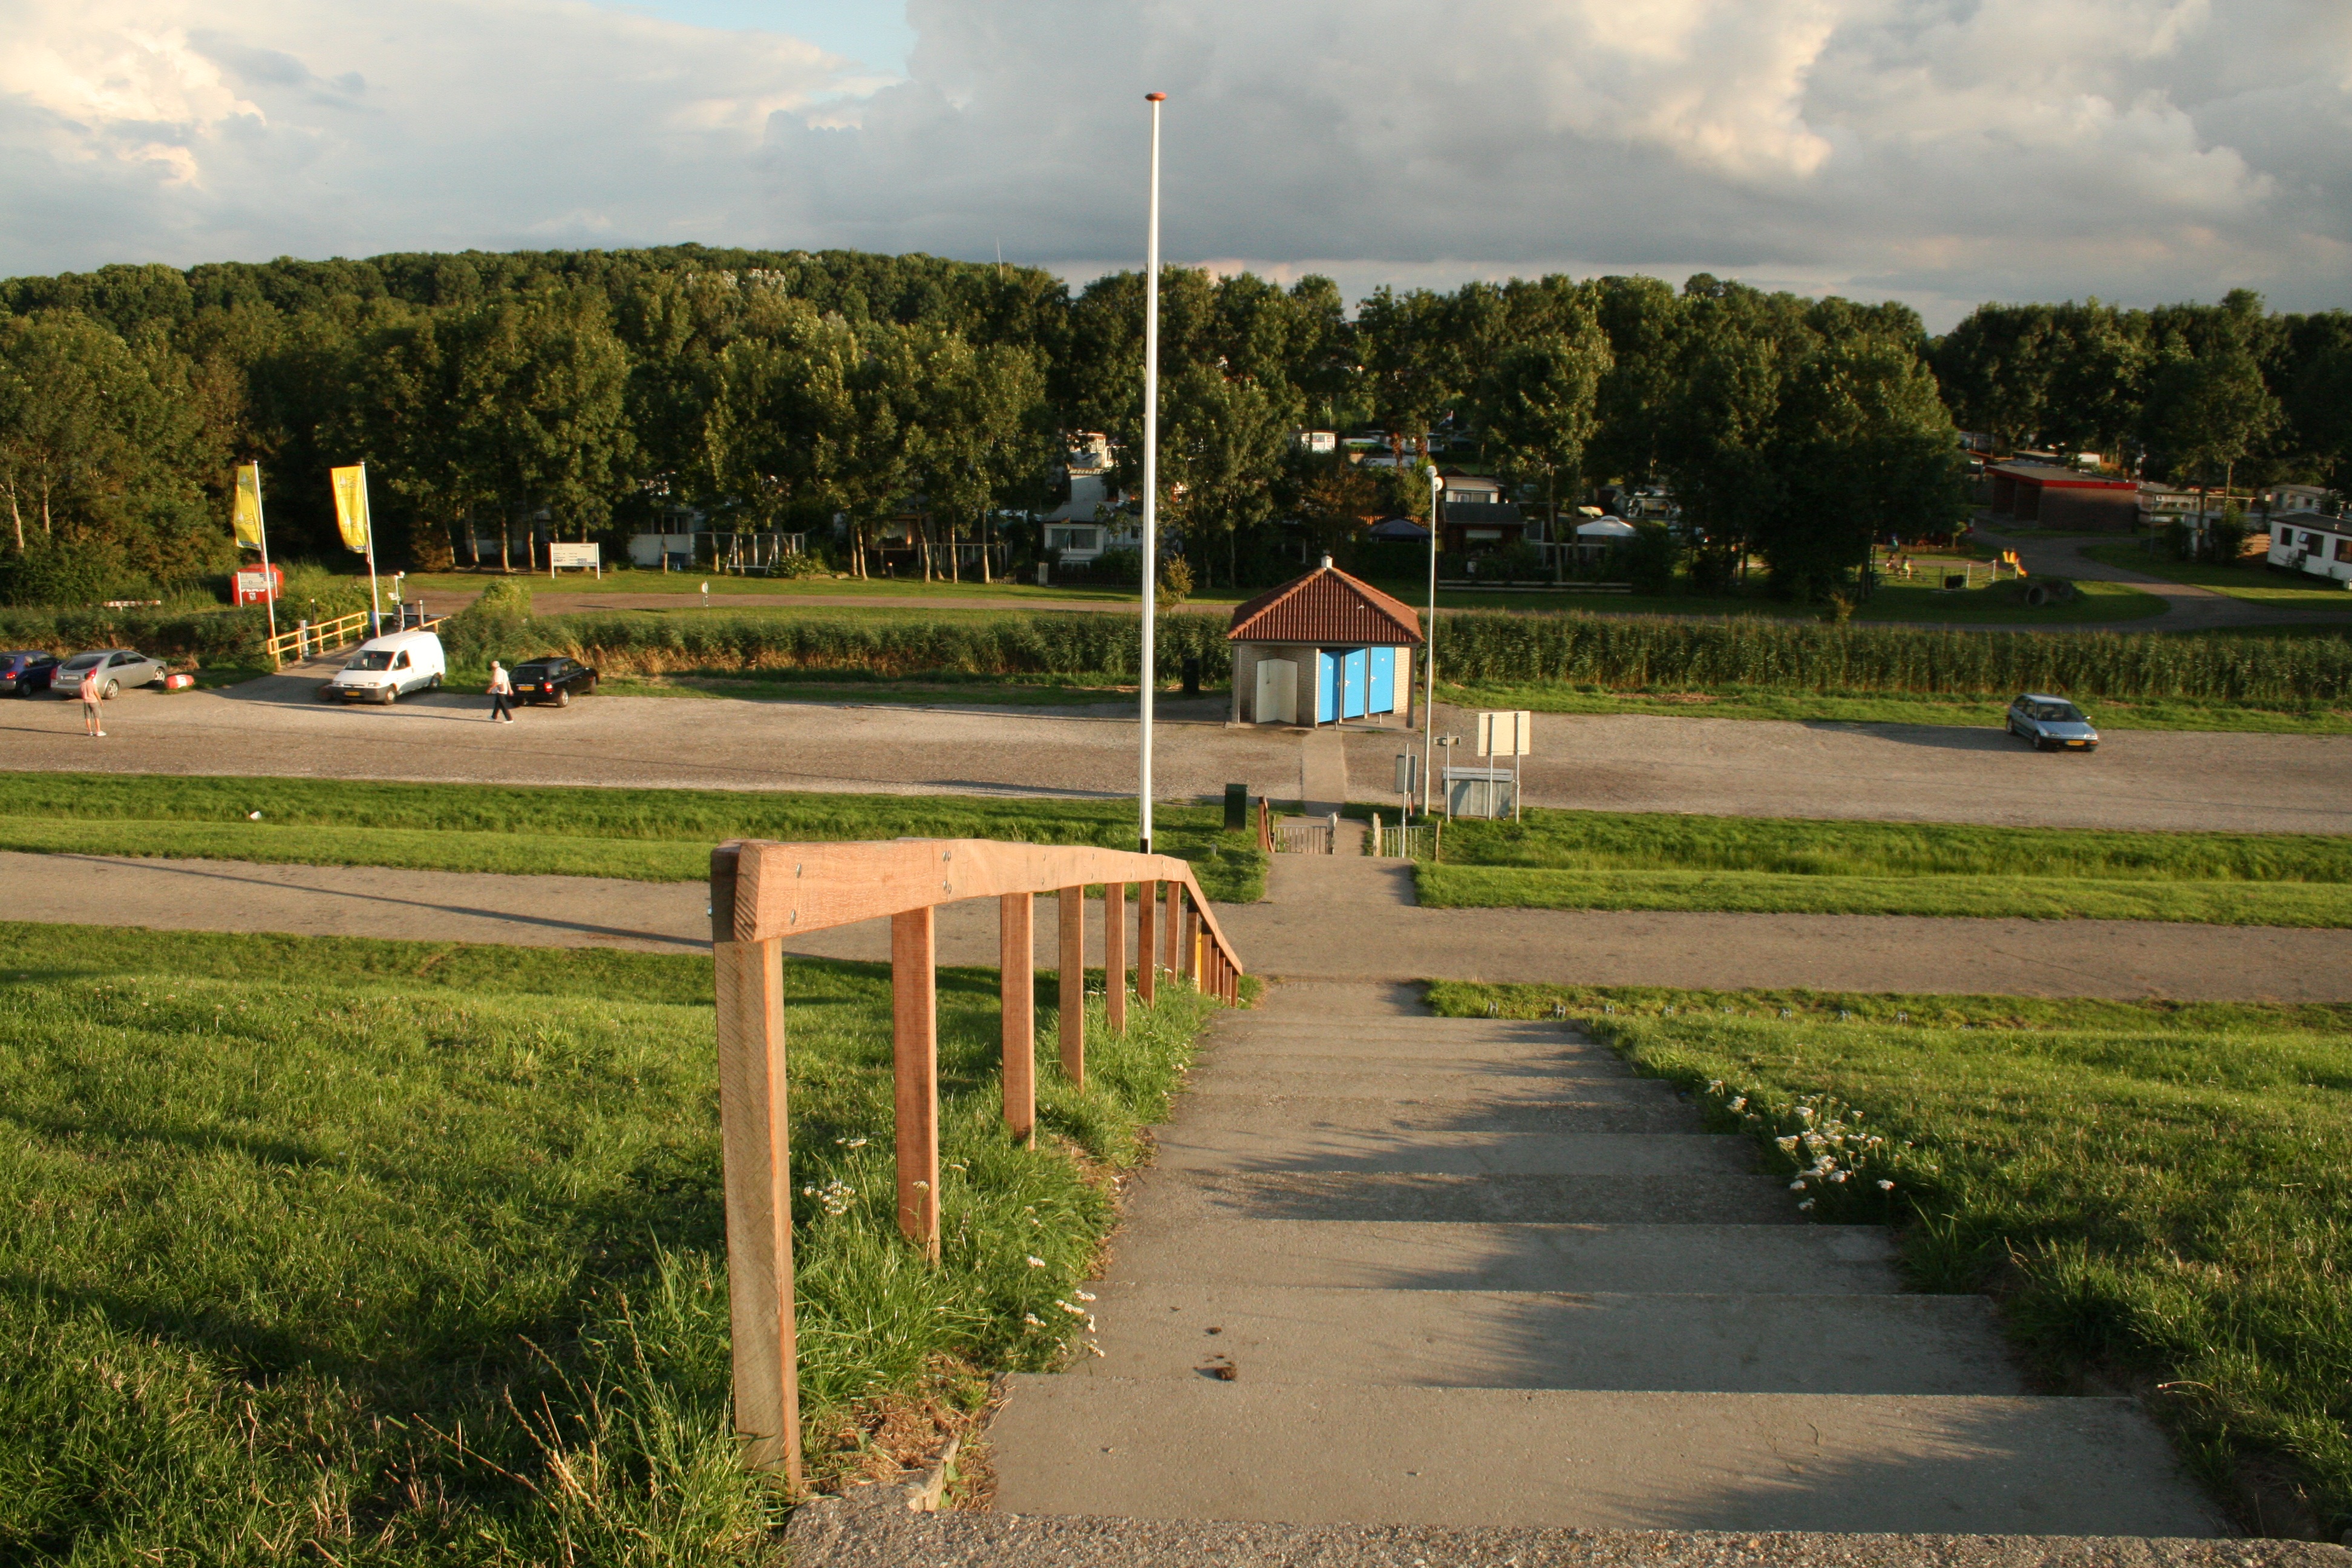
(117, 667)
(2052, 723)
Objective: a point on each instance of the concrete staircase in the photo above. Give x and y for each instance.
(1394, 1269)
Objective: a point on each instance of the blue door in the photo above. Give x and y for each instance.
(1379, 685)
(1351, 683)
(1327, 686)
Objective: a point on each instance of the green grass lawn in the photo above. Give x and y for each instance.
(363, 1252)
(1655, 860)
(829, 686)
(2159, 1195)
(2249, 580)
(823, 588)
(1894, 602)
(1894, 708)
(641, 835)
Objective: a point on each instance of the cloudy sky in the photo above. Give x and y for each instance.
(1942, 151)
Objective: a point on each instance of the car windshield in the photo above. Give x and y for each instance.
(84, 660)
(2058, 713)
(372, 659)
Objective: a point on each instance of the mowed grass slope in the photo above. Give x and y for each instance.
(1649, 860)
(641, 835)
(2161, 1195)
(358, 1252)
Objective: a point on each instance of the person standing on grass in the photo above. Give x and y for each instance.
(501, 688)
(706, 595)
(89, 701)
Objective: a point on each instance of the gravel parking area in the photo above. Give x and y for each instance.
(1625, 763)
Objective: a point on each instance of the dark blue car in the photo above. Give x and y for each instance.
(26, 672)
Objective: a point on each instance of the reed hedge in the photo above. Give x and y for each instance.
(1610, 652)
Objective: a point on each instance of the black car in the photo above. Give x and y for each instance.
(24, 673)
(556, 680)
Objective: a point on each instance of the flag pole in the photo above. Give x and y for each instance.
(1429, 655)
(268, 584)
(1150, 663)
(375, 598)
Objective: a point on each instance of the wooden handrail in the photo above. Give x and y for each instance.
(783, 889)
(763, 892)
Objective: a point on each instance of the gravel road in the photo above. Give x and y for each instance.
(2139, 779)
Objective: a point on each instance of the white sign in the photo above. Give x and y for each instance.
(587, 557)
(1506, 734)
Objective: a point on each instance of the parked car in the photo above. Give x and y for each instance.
(2052, 723)
(27, 671)
(117, 667)
(553, 680)
(387, 669)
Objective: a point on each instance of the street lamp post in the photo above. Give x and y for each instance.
(1150, 668)
(1429, 653)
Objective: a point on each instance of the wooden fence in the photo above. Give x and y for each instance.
(761, 892)
(1401, 841)
(309, 638)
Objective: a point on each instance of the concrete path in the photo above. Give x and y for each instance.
(1397, 1270)
(1292, 935)
(1322, 771)
(2291, 783)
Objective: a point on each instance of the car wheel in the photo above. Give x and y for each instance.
(591, 688)
(2041, 743)
(434, 685)
(564, 697)
(113, 689)
(390, 695)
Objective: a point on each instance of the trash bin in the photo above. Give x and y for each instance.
(1191, 675)
(1236, 808)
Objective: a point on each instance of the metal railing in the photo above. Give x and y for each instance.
(763, 892)
(1312, 838)
(1405, 841)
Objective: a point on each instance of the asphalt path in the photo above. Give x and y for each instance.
(274, 726)
(2187, 607)
(1326, 919)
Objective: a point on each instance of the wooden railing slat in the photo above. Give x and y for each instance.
(1072, 977)
(1018, 997)
(915, 1074)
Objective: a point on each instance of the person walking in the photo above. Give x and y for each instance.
(89, 701)
(706, 595)
(501, 688)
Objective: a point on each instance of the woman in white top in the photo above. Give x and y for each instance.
(501, 688)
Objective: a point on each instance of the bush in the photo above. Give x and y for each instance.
(2227, 537)
(1651, 558)
(75, 576)
(1175, 580)
(499, 625)
(1120, 564)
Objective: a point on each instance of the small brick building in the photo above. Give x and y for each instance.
(2050, 497)
(1322, 649)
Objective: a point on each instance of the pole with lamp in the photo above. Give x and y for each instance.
(1429, 653)
(1150, 667)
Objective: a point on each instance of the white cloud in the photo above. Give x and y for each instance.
(1944, 151)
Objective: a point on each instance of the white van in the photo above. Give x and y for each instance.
(387, 669)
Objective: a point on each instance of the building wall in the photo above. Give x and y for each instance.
(2115, 510)
(1245, 696)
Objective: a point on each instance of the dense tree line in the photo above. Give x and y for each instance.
(589, 391)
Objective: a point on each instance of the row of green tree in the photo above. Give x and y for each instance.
(584, 393)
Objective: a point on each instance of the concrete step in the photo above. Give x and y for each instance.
(1697, 1199)
(1330, 1146)
(1195, 1448)
(1161, 1245)
(1492, 1339)
(1575, 1110)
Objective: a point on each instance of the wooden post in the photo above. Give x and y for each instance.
(915, 1074)
(755, 1156)
(1175, 929)
(1191, 956)
(1146, 949)
(1115, 956)
(1074, 985)
(1016, 958)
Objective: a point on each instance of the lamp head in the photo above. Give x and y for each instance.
(1155, 98)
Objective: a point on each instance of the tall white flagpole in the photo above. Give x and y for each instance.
(1429, 660)
(268, 584)
(375, 598)
(1150, 668)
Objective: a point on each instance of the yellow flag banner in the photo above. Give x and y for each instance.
(246, 519)
(351, 504)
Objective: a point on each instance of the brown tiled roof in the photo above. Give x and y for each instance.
(1328, 607)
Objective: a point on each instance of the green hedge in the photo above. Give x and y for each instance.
(204, 634)
(1091, 645)
(1633, 654)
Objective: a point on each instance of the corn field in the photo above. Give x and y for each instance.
(1629, 654)
(1102, 646)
